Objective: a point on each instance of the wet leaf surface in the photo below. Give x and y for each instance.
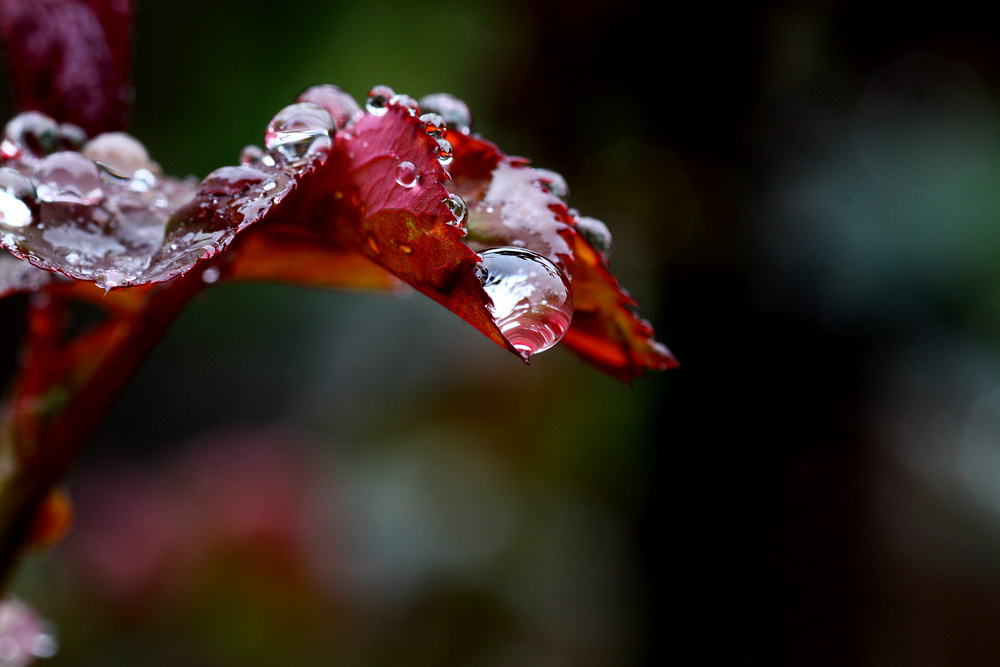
(335, 198)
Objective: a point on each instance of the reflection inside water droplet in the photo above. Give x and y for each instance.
(532, 300)
(378, 99)
(69, 178)
(299, 130)
(407, 174)
(458, 209)
(454, 111)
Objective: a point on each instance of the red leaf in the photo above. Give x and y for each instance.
(337, 198)
(70, 59)
(513, 204)
(353, 203)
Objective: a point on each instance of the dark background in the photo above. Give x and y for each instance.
(804, 201)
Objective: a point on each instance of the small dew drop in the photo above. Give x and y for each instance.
(70, 178)
(299, 130)
(434, 125)
(407, 174)
(250, 155)
(453, 110)
(110, 279)
(444, 152)
(378, 100)
(532, 299)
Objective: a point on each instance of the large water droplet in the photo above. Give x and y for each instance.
(343, 109)
(299, 130)
(378, 100)
(407, 174)
(69, 178)
(532, 300)
(15, 190)
(454, 111)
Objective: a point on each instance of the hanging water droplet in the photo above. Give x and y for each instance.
(454, 111)
(299, 130)
(341, 106)
(444, 152)
(407, 174)
(532, 299)
(110, 279)
(378, 99)
(434, 125)
(15, 191)
(458, 209)
(69, 178)
(596, 233)
(552, 182)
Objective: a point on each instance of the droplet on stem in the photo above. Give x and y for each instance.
(532, 299)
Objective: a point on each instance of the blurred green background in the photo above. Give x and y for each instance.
(804, 201)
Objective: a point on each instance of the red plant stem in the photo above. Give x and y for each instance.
(59, 441)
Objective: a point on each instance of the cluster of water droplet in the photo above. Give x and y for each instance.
(93, 209)
(438, 114)
(532, 299)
